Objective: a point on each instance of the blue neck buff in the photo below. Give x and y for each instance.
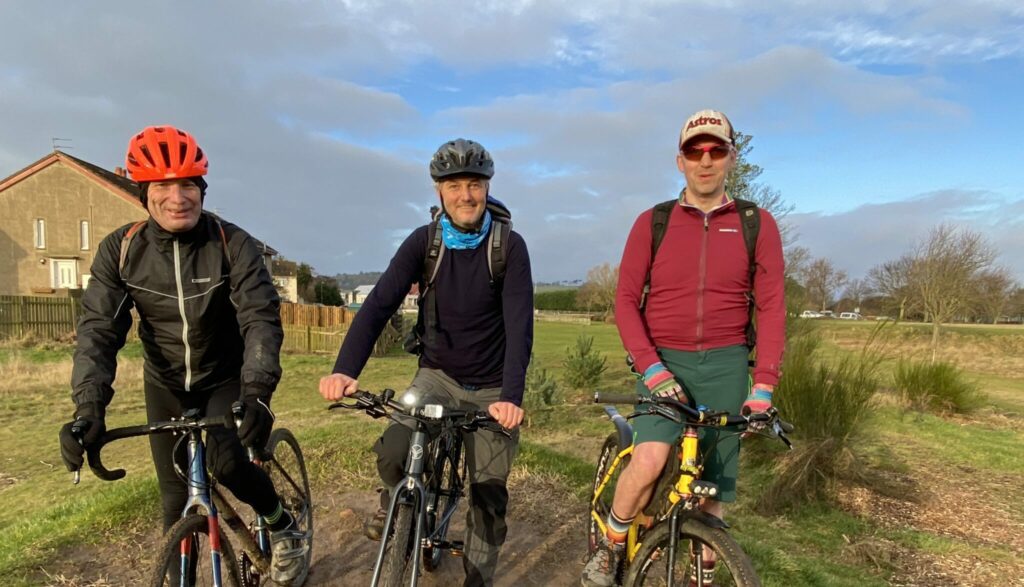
(456, 239)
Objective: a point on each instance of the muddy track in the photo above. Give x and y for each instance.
(545, 545)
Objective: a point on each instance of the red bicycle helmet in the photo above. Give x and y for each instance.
(164, 152)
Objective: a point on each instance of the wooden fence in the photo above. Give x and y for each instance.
(306, 328)
(37, 316)
(316, 316)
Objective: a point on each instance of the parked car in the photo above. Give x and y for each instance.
(826, 314)
(850, 316)
(810, 314)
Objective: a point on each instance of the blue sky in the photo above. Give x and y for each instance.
(876, 119)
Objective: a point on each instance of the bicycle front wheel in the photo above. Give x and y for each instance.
(443, 495)
(186, 549)
(398, 547)
(650, 567)
(287, 470)
(603, 506)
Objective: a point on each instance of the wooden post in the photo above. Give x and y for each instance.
(23, 318)
(309, 338)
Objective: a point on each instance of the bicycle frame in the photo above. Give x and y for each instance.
(690, 471)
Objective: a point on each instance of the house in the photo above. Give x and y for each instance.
(286, 279)
(53, 215)
(359, 294)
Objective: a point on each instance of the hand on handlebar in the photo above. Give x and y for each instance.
(507, 414)
(76, 436)
(759, 401)
(335, 386)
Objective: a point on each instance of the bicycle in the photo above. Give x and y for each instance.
(181, 558)
(667, 540)
(423, 503)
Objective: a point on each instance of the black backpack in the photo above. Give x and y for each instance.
(497, 260)
(750, 224)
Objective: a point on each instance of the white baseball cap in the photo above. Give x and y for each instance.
(706, 122)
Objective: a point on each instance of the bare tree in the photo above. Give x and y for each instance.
(892, 280)
(993, 289)
(856, 290)
(944, 268)
(598, 292)
(822, 280)
(742, 183)
(797, 259)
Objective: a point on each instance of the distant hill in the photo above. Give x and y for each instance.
(350, 281)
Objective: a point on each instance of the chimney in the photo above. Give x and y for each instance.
(119, 171)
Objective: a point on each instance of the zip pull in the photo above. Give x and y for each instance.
(705, 223)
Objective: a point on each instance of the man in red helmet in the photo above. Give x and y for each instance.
(210, 328)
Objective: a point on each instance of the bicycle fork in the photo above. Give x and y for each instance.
(200, 502)
(411, 485)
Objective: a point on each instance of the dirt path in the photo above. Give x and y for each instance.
(545, 544)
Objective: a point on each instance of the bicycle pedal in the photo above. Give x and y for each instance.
(704, 488)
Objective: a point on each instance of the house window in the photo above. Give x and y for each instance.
(83, 234)
(40, 233)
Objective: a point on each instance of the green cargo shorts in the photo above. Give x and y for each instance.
(718, 379)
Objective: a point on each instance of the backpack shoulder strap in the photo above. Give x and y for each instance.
(126, 241)
(497, 250)
(435, 252)
(659, 225)
(750, 223)
(223, 239)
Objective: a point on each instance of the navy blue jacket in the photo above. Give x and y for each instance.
(486, 333)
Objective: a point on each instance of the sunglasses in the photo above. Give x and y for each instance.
(695, 153)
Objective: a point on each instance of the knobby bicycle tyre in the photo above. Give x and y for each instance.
(195, 529)
(650, 567)
(287, 469)
(443, 495)
(398, 548)
(609, 451)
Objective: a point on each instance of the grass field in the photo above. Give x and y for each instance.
(953, 513)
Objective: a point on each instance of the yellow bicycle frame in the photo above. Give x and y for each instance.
(690, 468)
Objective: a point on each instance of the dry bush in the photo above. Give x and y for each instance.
(827, 401)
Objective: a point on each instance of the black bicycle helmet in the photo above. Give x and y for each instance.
(461, 156)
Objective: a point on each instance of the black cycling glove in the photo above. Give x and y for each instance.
(257, 421)
(90, 420)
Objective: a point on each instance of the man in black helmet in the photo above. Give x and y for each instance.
(473, 338)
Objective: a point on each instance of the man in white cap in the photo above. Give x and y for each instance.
(685, 315)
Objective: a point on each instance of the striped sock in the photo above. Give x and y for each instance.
(279, 519)
(618, 528)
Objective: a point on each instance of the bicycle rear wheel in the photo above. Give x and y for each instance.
(650, 567)
(287, 469)
(186, 546)
(609, 451)
(398, 547)
(443, 495)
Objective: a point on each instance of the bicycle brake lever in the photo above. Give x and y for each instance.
(667, 413)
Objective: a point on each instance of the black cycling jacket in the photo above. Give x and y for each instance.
(206, 315)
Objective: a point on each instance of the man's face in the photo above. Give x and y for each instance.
(706, 162)
(175, 204)
(464, 199)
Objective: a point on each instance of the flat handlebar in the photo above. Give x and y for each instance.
(383, 406)
(672, 409)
